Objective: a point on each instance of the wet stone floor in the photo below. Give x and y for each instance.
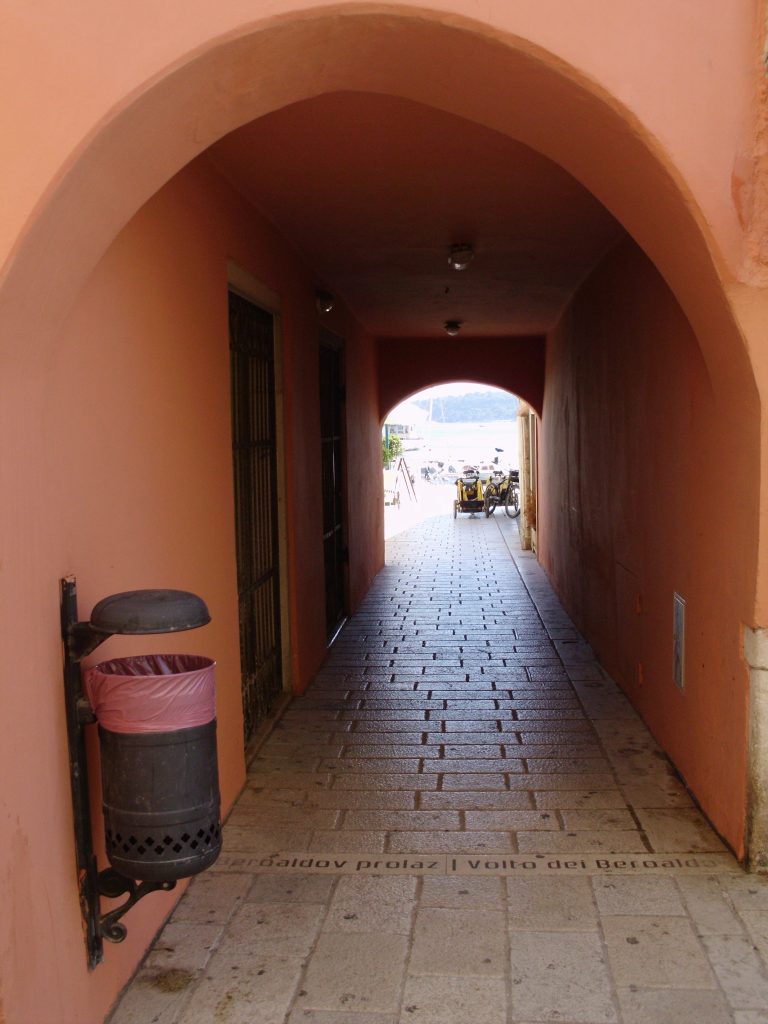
(462, 822)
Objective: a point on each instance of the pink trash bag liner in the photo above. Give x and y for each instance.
(152, 692)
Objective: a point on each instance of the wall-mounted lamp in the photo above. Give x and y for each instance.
(324, 301)
(460, 256)
(452, 327)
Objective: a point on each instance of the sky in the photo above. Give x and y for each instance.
(456, 442)
(458, 387)
(407, 413)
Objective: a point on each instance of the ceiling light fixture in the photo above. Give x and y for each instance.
(460, 256)
(324, 301)
(452, 327)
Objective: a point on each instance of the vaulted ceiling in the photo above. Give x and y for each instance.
(373, 190)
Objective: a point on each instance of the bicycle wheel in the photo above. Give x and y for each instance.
(489, 504)
(512, 504)
(455, 509)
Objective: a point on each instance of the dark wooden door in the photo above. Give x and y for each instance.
(332, 461)
(254, 449)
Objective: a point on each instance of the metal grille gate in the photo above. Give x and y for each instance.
(332, 456)
(254, 447)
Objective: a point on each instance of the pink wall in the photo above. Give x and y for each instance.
(132, 487)
(407, 365)
(104, 110)
(642, 457)
(365, 484)
(677, 175)
(640, 54)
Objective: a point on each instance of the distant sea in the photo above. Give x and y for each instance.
(461, 443)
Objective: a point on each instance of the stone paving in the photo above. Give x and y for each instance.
(462, 822)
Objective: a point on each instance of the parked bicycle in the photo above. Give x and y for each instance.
(503, 489)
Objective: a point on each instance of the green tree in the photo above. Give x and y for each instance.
(392, 450)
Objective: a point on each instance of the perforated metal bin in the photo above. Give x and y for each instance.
(160, 786)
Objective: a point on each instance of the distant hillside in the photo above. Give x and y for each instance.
(476, 407)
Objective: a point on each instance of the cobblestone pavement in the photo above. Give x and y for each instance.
(462, 822)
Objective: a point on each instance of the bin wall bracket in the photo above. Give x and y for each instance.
(79, 639)
(78, 712)
(112, 884)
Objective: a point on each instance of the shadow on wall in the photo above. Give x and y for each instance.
(636, 443)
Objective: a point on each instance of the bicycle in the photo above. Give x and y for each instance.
(503, 490)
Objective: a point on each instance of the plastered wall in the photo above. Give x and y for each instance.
(407, 365)
(651, 105)
(130, 485)
(644, 493)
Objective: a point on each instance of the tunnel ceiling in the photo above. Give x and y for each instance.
(372, 190)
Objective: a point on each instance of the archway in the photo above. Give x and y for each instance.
(438, 434)
(262, 68)
(166, 121)
(176, 117)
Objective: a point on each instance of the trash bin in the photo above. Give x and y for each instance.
(159, 772)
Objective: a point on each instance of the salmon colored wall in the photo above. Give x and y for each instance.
(644, 492)
(129, 436)
(678, 176)
(639, 53)
(601, 83)
(409, 365)
(105, 103)
(365, 482)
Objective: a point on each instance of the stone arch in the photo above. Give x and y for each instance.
(264, 66)
(172, 114)
(507, 84)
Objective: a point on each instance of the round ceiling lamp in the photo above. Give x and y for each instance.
(324, 301)
(460, 256)
(452, 327)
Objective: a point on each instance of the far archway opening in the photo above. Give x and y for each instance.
(454, 448)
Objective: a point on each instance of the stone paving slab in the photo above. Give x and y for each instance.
(462, 822)
(560, 975)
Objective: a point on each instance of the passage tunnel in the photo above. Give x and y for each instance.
(320, 169)
(561, 306)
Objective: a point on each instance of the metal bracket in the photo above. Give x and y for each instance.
(112, 885)
(81, 638)
(78, 711)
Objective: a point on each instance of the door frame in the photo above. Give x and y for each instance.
(251, 288)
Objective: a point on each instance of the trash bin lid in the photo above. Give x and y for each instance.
(149, 611)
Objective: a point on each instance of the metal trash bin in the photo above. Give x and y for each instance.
(159, 770)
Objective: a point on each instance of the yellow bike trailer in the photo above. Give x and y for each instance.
(469, 492)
